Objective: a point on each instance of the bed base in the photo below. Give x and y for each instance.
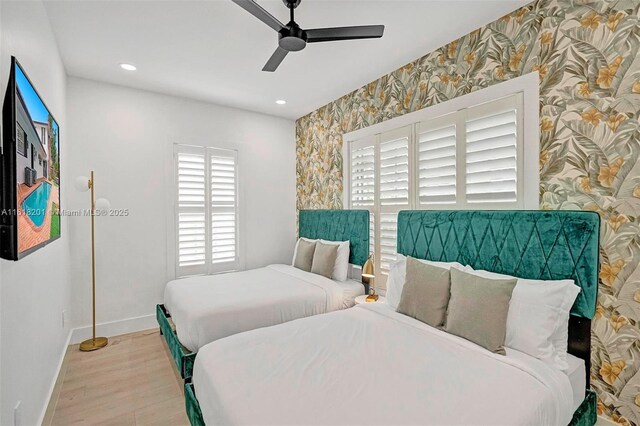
(585, 415)
(182, 357)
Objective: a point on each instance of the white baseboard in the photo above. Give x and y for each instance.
(115, 328)
(55, 378)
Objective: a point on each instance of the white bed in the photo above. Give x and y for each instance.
(207, 308)
(371, 365)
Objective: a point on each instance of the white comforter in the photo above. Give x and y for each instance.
(370, 365)
(207, 308)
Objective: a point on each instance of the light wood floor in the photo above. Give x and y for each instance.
(132, 381)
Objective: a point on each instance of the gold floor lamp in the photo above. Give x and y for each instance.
(84, 184)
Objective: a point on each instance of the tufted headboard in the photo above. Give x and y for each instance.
(338, 225)
(547, 245)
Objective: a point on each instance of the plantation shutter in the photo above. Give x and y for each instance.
(223, 209)
(436, 162)
(363, 177)
(492, 152)
(206, 210)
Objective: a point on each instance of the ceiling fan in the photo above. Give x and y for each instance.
(292, 38)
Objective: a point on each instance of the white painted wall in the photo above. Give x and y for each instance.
(127, 137)
(34, 290)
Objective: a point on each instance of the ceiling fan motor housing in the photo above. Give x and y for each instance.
(292, 38)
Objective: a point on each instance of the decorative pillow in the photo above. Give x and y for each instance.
(295, 250)
(425, 294)
(324, 259)
(538, 320)
(341, 268)
(304, 254)
(478, 309)
(396, 278)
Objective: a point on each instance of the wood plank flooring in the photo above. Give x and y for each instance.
(132, 381)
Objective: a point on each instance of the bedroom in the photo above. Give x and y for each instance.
(144, 93)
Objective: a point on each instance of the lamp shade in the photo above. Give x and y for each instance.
(82, 183)
(368, 269)
(102, 207)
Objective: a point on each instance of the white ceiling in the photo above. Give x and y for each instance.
(214, 51)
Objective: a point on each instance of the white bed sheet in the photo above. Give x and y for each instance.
(371, 365)
(207, 308)
(577, 378)
(350, 290)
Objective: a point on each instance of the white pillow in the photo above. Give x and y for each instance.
(397, 277)
(341, 267)
(538, 319)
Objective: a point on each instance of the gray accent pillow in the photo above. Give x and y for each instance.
(425, 294)
(324, 259)
(304, 255)
(478, 309)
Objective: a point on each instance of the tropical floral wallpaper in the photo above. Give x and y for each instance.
(586, 54)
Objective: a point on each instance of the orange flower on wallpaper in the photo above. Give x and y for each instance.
(609, 272)
(500, 72)
(546, 124)
(600, 408)
(608, 173)
(407, 99)
(606, 74)
(423, 86)
(617, 220)
(444, 78)
(617, 418)
(441, 59)
(599, 311)
(542, 70)
(591, 20)
(470, 57)
(592, 116)
(618, 321)
(585, 184)
(583, 89)
(456, 80)
(506, 18)
(451, 49)
(636, 87)
(615, 120)
(546, 37)
(544, 158)
(516, 58)
(614, 20)
(520, 14)
(610, 372)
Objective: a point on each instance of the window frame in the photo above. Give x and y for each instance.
(458, 110)
(209, 266)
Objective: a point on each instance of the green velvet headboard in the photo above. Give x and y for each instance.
(549, 245)
(338, 225)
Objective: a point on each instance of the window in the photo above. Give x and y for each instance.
(21, 140)
(468, 159)
(207, 210)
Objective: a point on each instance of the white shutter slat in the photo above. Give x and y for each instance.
(388, 243)
(437, 165)
(363, 177)
(491, 157)
(394, 172)
(223, 209)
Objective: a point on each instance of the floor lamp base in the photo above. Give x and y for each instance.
(93, 344)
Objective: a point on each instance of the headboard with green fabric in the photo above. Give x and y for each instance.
(338, 225)
(546, 245)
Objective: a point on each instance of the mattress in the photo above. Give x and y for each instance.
(208, 308)
(372, 365)
(350, 290)
(577, 378)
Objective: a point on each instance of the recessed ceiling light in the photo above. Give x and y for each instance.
(128, 67)
(281, 102)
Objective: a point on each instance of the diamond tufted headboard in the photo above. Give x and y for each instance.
(338, 225)
(548, 245)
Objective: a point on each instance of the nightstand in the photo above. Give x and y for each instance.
(363, 299)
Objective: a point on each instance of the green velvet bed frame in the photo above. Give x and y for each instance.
(331, 225)
(529, 244)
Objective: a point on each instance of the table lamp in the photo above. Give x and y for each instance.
(368, 272)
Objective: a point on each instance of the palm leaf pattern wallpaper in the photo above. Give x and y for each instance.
(586, 55)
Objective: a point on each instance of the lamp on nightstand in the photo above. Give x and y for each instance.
(368, 272)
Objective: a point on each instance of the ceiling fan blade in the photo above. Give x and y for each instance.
(344, 33)
(275, 60)
(256, 10)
